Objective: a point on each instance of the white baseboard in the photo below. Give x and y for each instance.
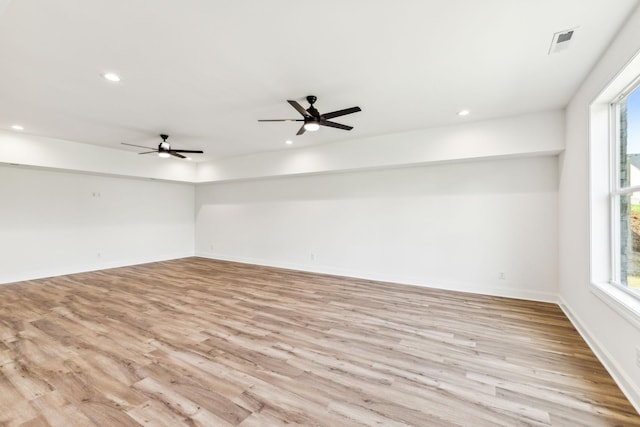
(73, 269)
(628, 387)
(452, 286)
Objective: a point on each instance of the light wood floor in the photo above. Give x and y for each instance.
(201, 342)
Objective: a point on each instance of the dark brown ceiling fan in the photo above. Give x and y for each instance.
(164, 149)
(313, 119)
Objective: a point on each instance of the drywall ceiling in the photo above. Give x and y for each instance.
(205, 71)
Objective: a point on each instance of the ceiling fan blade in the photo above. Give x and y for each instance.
(299, 108)
(134, 145)
(341, 112)
(301, 131)
(187, 151)
(334, 125)
(282, 120)
(174, 154)
(149, 152)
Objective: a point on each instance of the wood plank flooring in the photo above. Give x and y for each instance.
(196, 342)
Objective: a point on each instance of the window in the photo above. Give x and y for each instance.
(614, 192)
(625, 191)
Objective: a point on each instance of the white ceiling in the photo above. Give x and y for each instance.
(205, 71)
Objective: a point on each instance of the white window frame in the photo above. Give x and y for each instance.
(614, 178)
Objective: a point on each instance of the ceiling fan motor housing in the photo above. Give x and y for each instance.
(164, 145)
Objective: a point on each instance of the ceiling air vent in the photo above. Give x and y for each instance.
(562, 40)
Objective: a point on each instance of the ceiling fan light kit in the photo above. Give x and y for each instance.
(311, 126)
(313, 119)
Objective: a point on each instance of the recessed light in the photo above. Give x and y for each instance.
(464, 112)
(288, 142)
(112, 77)
(17, 127)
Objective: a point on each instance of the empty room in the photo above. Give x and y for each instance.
(360, 213)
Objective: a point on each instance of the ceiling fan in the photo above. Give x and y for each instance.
(164, 149)
(313, 119)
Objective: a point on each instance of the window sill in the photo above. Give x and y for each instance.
(624, 304)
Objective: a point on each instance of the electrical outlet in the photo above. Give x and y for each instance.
(501, 276)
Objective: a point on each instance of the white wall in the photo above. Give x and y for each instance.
(452, 226)
(534, 134)
(612, 336)
(55, 223)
